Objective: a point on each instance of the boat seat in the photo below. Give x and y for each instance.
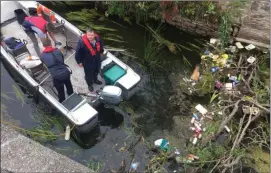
(112, 72)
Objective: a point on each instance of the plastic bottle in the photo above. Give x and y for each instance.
(177, 151)
(193, 156)
(134, 166)
(195, 141)
(195, 116)
(214, 69)
(197, 126)
(192, 120)
(227, 128)
(193, 128)
(68, 132)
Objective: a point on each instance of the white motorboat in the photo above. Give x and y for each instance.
(119, 80)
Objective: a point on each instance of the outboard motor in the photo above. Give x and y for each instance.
(111, 95)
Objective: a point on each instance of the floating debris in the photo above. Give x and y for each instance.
(192, 156)
(227, 128)
(194, 140)
(250, 110)
(195, 75)
(239, 45)
(192, 120)
(250, 47)
(201, 109)
(163, 144)
(251, 59)
(177, 151)
(232, 49)
(213, 40)
(134, 166)
(68, 132)
(228, 86)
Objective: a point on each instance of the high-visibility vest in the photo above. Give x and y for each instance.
(47, 11)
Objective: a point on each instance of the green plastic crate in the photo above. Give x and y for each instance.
(113, 74)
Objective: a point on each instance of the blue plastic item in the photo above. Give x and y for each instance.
(214, 69)
(195, 116)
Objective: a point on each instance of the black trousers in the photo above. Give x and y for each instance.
(91, 75)
(59, 84)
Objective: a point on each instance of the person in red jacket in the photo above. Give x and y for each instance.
(36, 24)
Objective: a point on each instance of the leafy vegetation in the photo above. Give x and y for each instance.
(227, 18)
(127, 10)
(87, 18)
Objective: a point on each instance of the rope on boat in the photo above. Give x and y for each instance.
(29, 131)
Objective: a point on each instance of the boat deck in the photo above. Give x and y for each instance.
(13, 29)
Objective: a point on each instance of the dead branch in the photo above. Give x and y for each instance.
(239, 131)
(236, 161)
(259, 105)
(244, 131)
(225, 122)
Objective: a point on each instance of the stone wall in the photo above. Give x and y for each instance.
(255, 22)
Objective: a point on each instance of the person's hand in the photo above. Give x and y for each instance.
(80, 65)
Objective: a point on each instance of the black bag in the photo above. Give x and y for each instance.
(13, 43)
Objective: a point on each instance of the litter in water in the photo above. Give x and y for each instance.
(163, 144)
(228, 86)
(134, 166)
(239, 45)
(201, 109)
(192, 120)
(195, 140)
(196, 116)
(68, 132)
(213, 40)
(177, 151)
(252, 110)
(227, 128)
(250, 47)
(251, 59)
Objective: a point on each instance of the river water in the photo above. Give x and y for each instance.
(149, 112)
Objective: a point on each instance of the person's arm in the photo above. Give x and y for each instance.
(52, 36)
(78, 53)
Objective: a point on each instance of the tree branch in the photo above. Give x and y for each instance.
(224, 122)
(236, 161)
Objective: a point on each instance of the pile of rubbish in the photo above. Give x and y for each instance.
(198, 122)
(220, 62)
